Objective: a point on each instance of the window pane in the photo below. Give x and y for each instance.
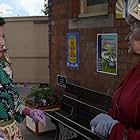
(93, 2)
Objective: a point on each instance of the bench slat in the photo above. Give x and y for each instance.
(83, 131)
(89, 96)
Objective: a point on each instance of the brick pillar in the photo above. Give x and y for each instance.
(75, 6)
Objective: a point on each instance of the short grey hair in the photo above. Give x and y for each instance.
(134, 28)
(132, 21)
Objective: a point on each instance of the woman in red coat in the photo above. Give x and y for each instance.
(123, 119)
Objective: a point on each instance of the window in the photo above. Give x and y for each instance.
(93, 7)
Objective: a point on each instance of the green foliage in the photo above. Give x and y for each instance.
(46, 7)
(40, 93)
(41, 96)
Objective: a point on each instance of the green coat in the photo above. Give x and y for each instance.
(10, 104)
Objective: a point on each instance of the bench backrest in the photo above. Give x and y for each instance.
(82, 104)
(91, 97)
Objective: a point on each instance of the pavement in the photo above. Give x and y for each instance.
(29, 135)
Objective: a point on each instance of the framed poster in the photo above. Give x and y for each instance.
(72, 50)
(107, 53)
(61, 80)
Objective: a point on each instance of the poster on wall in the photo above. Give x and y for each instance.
(107, 53)
(72, 50)
(123, 6)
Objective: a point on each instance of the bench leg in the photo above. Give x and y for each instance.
(63, 132)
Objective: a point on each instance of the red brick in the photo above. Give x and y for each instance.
(86, 75)
(75, 6)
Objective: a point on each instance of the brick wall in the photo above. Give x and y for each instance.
(61, 12)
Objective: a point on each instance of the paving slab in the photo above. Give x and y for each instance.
(28, 135)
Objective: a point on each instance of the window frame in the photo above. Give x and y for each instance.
(93, 10)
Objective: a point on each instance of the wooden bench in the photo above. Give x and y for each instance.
(78, 106)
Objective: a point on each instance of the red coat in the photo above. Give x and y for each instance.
(126, 107)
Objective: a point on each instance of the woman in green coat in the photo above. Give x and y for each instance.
(11, 108)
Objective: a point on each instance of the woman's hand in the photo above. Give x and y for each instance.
(36, 114)
(102, 125)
